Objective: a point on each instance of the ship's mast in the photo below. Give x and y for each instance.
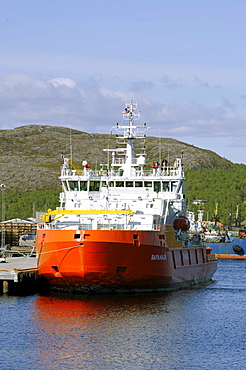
(128, 133)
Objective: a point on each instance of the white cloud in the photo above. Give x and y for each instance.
(89, 106)
(62, 82)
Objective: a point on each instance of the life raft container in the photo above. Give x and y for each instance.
(181, 223)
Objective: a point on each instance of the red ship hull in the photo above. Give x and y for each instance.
(119, 261)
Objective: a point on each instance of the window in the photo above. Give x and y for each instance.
(157, 186)
(129, 184)
(148, 184)
(149, 205)
(165, 186)
(94, 186)
(174, 185)
(119, 184)
(73, 185)
(83, 185)
(138, 184)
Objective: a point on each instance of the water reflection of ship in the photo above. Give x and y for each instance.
(68, 306)
(106, 332)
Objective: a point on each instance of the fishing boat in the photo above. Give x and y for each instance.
(123, 227)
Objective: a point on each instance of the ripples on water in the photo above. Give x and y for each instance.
(201, 328)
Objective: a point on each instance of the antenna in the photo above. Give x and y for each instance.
(71, 146)
(109, 141)
(159, 145)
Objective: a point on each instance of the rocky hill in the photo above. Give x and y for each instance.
(31, 155)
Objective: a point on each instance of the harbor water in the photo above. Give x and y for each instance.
(199, 328)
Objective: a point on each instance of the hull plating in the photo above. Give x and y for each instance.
(111, 261)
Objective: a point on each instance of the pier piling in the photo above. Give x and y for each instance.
(18, 276)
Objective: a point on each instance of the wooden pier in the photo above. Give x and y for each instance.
(18, 275)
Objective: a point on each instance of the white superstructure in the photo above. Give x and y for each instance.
(123, 194)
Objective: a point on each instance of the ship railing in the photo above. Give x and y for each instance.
(172, 172)
(89, 226)
(118, 161)
(121, 161)
(111, 227)
(62, 225)
(156, 172)
(78, 226)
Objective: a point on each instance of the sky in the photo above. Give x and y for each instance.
(76, 63)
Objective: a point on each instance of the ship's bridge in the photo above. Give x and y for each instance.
(119, 192)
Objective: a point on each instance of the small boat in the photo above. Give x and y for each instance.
(225, 244)
(123, 227)
(233, 248)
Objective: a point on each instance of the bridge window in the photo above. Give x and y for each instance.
(148, 184)
(157, 186)
(73, 185)
(94, 186)
(129, 184)
(83, 185)
(174, 185)
(119, 184)
(138, 184)
(165, 186)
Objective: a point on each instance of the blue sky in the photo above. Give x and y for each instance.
(75, 63)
